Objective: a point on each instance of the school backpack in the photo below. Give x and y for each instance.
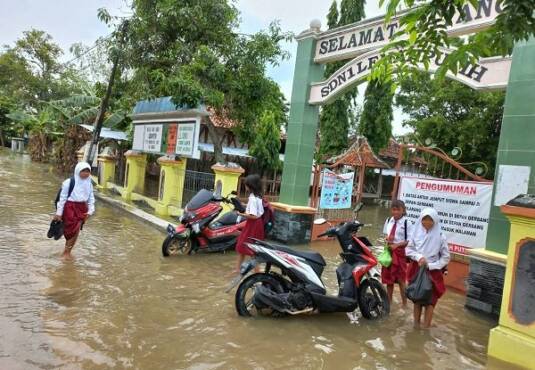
(268, 217)
(71, 188)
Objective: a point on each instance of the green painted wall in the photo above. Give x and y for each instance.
(517, 138)
(302, 126)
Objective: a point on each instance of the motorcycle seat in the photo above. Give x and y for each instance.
(228, 219)
(310, 256)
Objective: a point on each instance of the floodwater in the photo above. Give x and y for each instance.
(120, 305)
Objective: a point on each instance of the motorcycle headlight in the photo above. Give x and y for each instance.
(196, 228)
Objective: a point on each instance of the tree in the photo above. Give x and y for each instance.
(192, 51)
(452, 115)
(266, 145)
(425, 27)
(30, 71)
(335, 117)
(6, 105)
(377, 114)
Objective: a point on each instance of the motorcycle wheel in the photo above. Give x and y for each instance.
(245, 294)
(373, 300)
(175, 246)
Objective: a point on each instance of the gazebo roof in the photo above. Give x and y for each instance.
(392, 152)
(359, 153)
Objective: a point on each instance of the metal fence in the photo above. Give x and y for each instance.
(195, 181)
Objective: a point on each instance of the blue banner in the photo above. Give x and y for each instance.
(336, 190)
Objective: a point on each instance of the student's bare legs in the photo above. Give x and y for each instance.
(417, 314)
(428, 317)
(241, 258)
(402, 287)
(69, 245)
(390, 292)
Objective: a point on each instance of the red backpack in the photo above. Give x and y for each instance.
(268, 217)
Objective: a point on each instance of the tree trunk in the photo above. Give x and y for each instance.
(218, 145)
(102, 111)
(2, 143)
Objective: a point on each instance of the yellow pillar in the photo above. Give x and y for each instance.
(228, 178)
(172, 175)
(134, 181)
(80, 154)
(106, 170)
(513, 340)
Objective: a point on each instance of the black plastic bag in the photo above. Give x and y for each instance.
(420, 289)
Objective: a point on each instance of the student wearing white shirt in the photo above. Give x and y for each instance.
(396, 230)
(428, 247)
(254, 226)
(75, 208)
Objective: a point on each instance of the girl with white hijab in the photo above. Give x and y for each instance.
(428, 247)
(75, 209)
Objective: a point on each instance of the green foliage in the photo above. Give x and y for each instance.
(453, 115)
(426, 25)
(377, 115)
(336, 117)
(351, 11)
(333, 16)
(192, 51)
(6, 130)
(266, 144)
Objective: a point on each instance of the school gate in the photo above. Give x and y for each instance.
(515, 157)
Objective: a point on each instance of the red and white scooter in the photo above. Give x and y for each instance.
(200, 230)
(295, 286)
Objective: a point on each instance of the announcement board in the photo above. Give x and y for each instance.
(336, 190)
(180, 137)
(463, 206)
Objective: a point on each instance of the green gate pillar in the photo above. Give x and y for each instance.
(486, 282)
(517, 138)
(303, 122)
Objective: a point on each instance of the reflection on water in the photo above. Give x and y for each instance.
(119, 304)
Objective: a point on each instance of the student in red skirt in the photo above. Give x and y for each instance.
(254, 226)
(396, 230)
(428, 247)
(75, 209)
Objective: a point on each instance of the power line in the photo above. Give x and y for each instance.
(86, 51)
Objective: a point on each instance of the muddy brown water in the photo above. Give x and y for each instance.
(119, 304)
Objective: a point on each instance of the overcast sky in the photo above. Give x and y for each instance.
(71, 21)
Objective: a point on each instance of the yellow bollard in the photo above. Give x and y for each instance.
(513, 340)
(228, 178)
(136, 164)
(172, 175)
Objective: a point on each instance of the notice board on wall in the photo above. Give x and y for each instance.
(463, 206)
(179, 137)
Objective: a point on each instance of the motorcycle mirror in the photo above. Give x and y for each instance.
(218, 188)
(320, 221)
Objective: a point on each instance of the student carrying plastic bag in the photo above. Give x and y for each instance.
(420, 289)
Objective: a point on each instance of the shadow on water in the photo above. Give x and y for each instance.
(119, 304)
